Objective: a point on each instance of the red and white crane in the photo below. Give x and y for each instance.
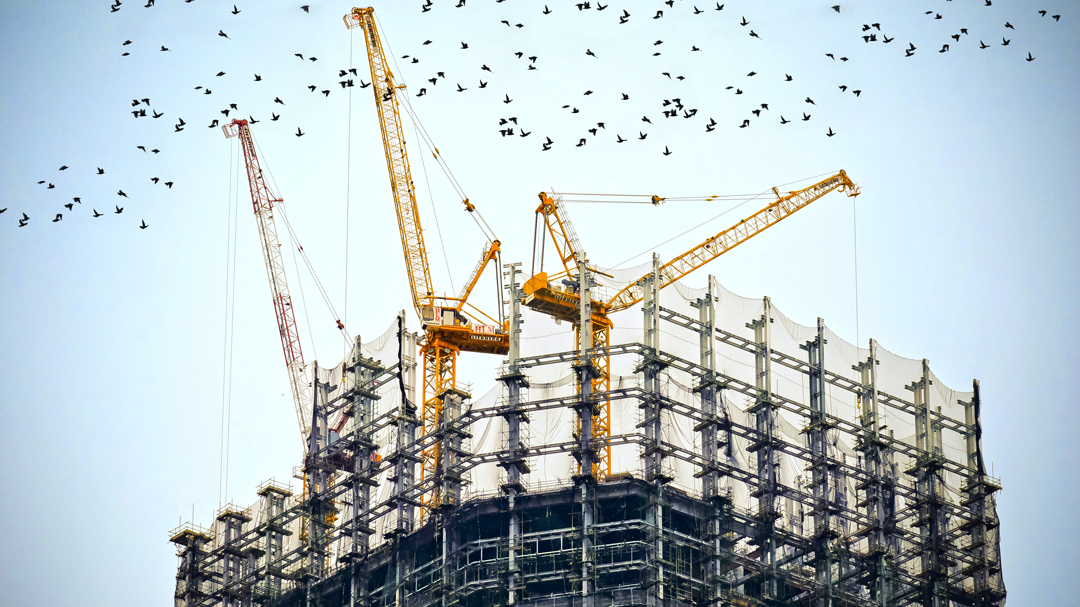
(263, 200)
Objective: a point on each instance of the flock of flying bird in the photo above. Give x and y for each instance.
(673, 107)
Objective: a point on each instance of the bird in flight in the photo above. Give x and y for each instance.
(508, 99)
(805, 117)
(667, 152)
(119, 210)
(222, 34)
(590, 53)
(96, 214)
(299, 133)
(121, 193)
(144, 225)
(784, 120)
(830, 133)
(306, 8)
(235, 10)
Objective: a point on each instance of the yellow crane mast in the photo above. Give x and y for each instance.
(451, 325)
(542, 293)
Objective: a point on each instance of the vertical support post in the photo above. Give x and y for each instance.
(878, 486)
(403, 461)
(191, 542)
(987, 588)
(515, 463)
(715, 421)
(273, 505)
(654, 449)
(585, 450)
(363, 476)
(817, 434)
(764, 446)
(929, 501)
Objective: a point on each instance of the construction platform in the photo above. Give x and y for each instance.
(750, 461)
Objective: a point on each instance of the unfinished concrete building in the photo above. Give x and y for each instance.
(752, 461)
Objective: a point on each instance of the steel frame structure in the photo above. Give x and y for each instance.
(627, 539)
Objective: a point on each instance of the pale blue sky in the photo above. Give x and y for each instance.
(113, 337)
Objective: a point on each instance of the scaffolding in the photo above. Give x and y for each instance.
(755, 462)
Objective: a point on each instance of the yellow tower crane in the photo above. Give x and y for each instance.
(542, 293)
(451, 325)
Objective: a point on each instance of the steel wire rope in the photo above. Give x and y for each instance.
(855, 255)
(225, 329)
(438, 229)
(299, 247)
(425, 138)
(348, 191)
(226, 422)
(618, 266)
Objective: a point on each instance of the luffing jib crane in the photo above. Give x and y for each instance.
(451, 324)
(542, 293)
(263, 199)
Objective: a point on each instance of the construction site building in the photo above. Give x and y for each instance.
(754, 461)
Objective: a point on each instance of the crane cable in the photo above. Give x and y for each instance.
(653, 248)
(438, 229)
(348, 191)
(426, 139)
(300, 249)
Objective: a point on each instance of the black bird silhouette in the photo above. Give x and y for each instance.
(744, 22)
(805, 117)
(50, 187)
(1030, 58)
(157, 115)
(658, 14)
(719, 6)
(305, 8)
(485, 68)
(698, 11)
(694, 48)
(1009, 25)
(1004, 42)
(667, 152)
(96, 214)
(235, 10)
(144, 225)
(464, 46)
(745, 123)
(119, 210)
(525, 133)
(784, 120)
(25, 217)
(63, 168)
(983, 44)
(830, 56)
(299, 133)
(298, 55)
(77, 199)
(58, 218)
(810, 101)
(590, 53)
(278, 100)
(461, 88)
(580, 143)
(483, 84)
(258, 78)
(363, 84)
(508, 99)
(155, 180)
(830, 133)
(423, 92)
(220, 74)
(646, 119)
(546, 11)
(222, 34)
(274, 116)
(121, 193)
(836, 8)
(70, 205)
(326, 93)
(619, 139)
(642, 136)
(169, 184)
